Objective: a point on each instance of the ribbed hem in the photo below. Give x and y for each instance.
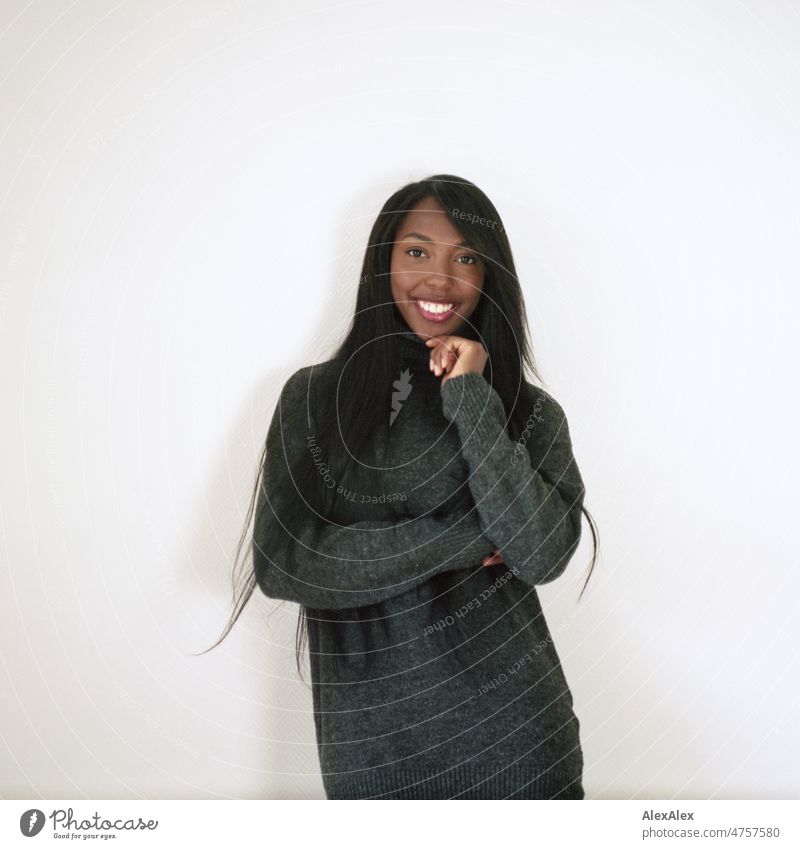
(466, 781)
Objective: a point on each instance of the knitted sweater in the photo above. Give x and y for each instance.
(499, 723)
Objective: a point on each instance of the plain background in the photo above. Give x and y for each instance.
(185, 195)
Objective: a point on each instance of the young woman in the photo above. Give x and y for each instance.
(416, 489)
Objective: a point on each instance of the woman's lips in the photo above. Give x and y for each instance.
(434, 316)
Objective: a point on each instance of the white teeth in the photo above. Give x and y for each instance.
(437, 308)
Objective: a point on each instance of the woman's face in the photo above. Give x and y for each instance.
(436, 283)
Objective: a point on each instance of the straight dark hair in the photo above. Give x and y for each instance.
(366, 363)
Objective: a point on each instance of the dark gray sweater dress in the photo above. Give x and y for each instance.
(493, 717)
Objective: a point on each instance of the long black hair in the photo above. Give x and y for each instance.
(499, 321)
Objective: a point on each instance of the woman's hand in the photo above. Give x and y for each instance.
(454, 355)
(493, 559)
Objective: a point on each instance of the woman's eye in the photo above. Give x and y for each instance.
(470, 259)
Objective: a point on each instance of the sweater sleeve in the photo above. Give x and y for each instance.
(331, 566)
(529, 493)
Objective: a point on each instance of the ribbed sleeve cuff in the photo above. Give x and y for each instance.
(471, 402)
(462, 541)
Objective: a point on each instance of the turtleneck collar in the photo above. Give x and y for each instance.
(412, 349)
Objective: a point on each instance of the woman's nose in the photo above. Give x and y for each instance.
(439, 280)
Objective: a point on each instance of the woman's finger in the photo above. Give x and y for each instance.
(442, 359)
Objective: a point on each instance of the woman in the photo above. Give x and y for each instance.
(416, 490)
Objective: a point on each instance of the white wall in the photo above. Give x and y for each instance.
(185, 193)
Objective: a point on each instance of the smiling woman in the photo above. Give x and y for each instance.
(436, 283)
(494, 509)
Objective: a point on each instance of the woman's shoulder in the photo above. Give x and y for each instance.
(538, 399)
(545, 416)
(306, 382)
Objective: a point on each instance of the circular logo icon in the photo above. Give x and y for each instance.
(31, 822)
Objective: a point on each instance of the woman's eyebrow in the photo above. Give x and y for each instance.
(422, 238)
